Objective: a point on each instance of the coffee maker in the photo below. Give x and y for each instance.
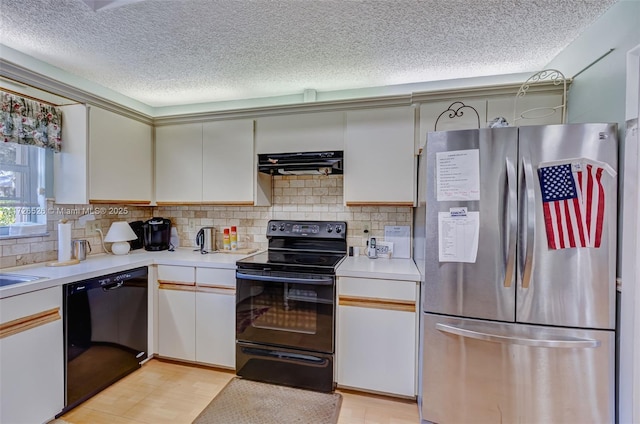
(157, 234)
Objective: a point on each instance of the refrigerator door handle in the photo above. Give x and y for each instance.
(531, 222)
(513, 221)
(569, 343)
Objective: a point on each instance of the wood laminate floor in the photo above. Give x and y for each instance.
(167, 392)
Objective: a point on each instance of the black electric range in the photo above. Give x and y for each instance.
(285, 305)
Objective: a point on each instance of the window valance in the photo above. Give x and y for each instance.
(26, 121)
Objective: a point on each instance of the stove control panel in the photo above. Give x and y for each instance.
(311, 229)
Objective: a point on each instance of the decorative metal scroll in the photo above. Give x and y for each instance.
(455, 110)
(554, 76)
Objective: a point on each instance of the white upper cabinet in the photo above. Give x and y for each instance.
(120, 158)
(210, 163)
(303, 132)
(229, 168)
(179, 164)
(71, 176)
(105, 158)
(379, 164)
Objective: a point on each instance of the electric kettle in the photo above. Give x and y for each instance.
(206, 239)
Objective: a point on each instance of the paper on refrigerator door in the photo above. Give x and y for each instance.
(458, 232)
(458, 175)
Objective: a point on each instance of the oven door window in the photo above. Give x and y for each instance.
(291, 311)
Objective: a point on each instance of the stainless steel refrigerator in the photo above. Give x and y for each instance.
(515, 240)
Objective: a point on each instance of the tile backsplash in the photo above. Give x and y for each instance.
(29, 250)
(302, 197)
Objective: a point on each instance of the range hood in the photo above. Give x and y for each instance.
(305, 163)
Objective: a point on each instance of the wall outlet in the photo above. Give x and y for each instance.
(384, 248)
(192, 225)
(91, 226)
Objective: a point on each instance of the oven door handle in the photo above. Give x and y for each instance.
(314, 281)
(286, 356)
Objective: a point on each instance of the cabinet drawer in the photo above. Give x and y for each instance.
(176, 274)
(27, 304)
(216, 277)
(380, 289)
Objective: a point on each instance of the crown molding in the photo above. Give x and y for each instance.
(289, 109)
(36, 80)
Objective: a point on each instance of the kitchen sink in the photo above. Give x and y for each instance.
(9, 279)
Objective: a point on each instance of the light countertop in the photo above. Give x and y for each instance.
(381, 268)
(97, 265)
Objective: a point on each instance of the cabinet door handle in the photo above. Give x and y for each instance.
(377, 303)
(28, 322)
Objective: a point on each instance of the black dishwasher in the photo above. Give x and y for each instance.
(105, 331)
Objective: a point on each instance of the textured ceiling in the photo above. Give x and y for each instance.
(164, 52)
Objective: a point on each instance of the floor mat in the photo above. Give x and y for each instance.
(250, 402)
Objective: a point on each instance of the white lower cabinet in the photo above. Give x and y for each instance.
(176, 312)
(196, 314)
(216, 316)
(376, 345)
(31, 357)
(215, 327)
(176, 322)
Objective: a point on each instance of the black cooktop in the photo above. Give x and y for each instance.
(293, 261)
(301, 246)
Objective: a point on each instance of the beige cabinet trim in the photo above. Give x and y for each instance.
(120, 201)
(377, 303)
(178, 203)
(30, 321)
(204, 203)
(229, 203)
(211, 288)
(410, 204)
(176, 285)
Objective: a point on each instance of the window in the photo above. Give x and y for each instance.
(23, 203)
